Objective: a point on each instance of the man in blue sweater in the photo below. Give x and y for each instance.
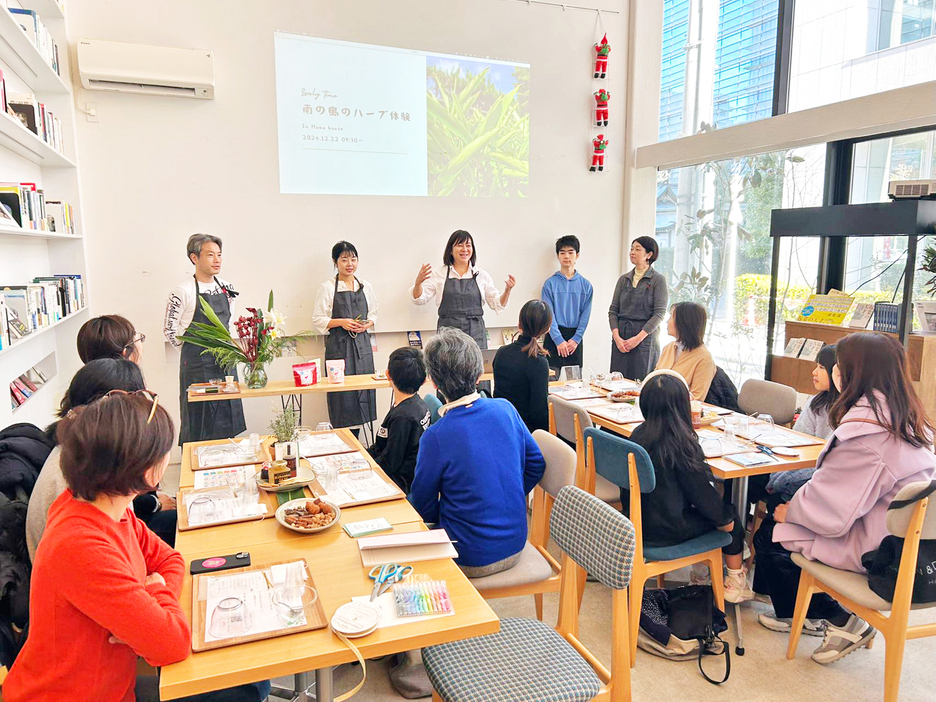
(569, 296)
(476, 465)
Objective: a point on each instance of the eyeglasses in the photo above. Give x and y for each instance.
(141, 338)
(149, 395)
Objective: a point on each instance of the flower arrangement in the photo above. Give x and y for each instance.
(260, 339)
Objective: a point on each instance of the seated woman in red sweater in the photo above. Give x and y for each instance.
(105, 589)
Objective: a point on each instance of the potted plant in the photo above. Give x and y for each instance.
(283, 426)
(260, 339)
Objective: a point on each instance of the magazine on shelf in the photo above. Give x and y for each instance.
(793, 347)
(811, 349)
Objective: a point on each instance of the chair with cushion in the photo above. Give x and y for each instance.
(537, 572)
(433, 403)
(765, 397)
(568, 421)
(528, 660)
(628, 465)
(911, 523)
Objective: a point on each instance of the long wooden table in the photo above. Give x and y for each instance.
(335, 564)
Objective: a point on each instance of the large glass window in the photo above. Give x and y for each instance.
(713, 228)
(718, 64)
(851, 48)
(875, 265)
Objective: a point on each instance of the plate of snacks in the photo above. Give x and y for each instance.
(279, 482)
(709, 418)
(308, 516)
(623, 395)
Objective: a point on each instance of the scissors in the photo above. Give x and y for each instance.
(386, 575)
(767, 450)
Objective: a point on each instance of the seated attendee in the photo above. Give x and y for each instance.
(813, 420)
(688, 355)
(91, 382)
(521, 369)
(110, 336)
(882, 441)
(684, 504)
(398, 437)
(104, 589)
(476, 464)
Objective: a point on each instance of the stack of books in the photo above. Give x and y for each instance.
(806, 349)
(33, 115)
(39, 35)
(47, 300)
(25, 386)
(25, 204)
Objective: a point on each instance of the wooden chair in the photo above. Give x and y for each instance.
(609, 454)
(528, 660)
(912, 523)
(537, 572)
(569, 421)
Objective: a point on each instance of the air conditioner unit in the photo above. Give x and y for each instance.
(145, 70)
(911, 189)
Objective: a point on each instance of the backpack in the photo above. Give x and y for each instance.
(683, 624)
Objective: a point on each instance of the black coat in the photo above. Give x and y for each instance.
(24, 449)
(722, 392)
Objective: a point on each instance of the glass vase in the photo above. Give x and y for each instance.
(256, 376)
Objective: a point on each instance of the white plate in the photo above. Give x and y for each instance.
(304, 476)
(280, 515)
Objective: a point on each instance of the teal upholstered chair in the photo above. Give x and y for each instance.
(433, 403)
(628, 465)
(529, 660)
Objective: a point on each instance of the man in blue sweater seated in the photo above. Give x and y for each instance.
(476, 465)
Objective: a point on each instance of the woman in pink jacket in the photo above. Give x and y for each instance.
(882, 441)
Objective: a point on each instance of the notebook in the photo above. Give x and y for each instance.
(410, 547)
(752, 458)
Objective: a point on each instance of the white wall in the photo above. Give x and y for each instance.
(154, 170)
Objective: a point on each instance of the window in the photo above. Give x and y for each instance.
(717, 64)
(853, 48)
(713, 228)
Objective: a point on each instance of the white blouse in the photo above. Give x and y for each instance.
(325, 299)
(434, 286)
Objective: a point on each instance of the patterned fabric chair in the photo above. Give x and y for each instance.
(609, 454)
(537, 572)
(527, 661)
(911, 522)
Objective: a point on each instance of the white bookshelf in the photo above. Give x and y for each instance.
(28, 253)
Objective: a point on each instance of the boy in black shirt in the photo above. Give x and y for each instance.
(398, 437)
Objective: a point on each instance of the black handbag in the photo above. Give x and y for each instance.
(693, 615)
(883, 563)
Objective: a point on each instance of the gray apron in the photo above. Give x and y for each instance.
(203, 421)
(350, 409)
(461, 307)
(635, 308)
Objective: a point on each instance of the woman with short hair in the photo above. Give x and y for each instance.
(688, 355)
(476, 465)
(110, 336)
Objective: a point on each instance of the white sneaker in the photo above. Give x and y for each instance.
(840, 641)
(783, 625)
(737, 589)
(699, 574)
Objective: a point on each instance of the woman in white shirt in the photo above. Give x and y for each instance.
(460, 289)
(345, 308)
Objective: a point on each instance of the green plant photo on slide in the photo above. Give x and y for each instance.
(478, 124)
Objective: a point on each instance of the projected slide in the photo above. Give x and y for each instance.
(359, 119)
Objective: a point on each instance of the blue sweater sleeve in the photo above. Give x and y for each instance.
(424, 494)
(584, 314)
(550, 300)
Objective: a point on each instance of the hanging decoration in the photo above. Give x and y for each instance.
(600, 144)
(601, 57)
(601, 107)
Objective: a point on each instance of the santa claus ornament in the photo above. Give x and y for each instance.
(601, 57)
(601, 107)
(599, 143)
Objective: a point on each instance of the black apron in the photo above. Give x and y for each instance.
(555, 360)
(350, 409)
(203, 421)
(635, 308)
(462, 308)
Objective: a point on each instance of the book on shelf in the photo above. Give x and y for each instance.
(41, 303)
(793, 348)
(415, 339)
(5, 338)
(33, 115)
(25, 386)
(811, 349)
(28, 208)
(861, 316)
(30, 22)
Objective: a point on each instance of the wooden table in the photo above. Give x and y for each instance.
(335, 564)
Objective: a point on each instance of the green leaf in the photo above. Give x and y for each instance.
(437, 111)
(270, 305)
(447, 177)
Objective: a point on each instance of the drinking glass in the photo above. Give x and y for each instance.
(230, 618)
(731, 429)
(202, 510)
(324, 426)
(768, 425)
(287, 597)
(302, 434)
(251, 493)
(236, 486)
(616, 375)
